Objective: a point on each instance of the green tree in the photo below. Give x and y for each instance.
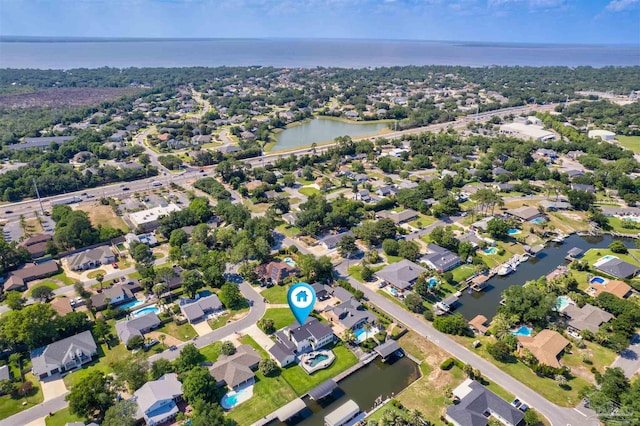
(14, 300)
(347, 246)
(7, 387)
(500, 351)
(132, 370)
(268, 367)
(498, 228)
(451, 324)
(135, 342)
(92, 396)
(160, 367)
(100, 279)
(207, 413)
(178, 237)
(267, 325)
(581, 200)
(227, 348)
(414, 303)
(366, 273)
(122, 413)
(102, 330)
(43, 293)
(231, 297)
(390, 247)
(192, 281)
(189, 358)
(618, 247)
(408, 250)
(198, 384)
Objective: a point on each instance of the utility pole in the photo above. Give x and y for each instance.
(38, 194)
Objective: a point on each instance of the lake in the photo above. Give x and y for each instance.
(363, 386)
(486, 302)
(305, 53)
(320, 130)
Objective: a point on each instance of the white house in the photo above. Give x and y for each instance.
(156, 400)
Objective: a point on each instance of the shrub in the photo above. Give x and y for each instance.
(618, 247)
(452, 324)
(447, 364)
(428, 314)
(268, 367)
(227, 348)
(381, 335)
(366, 273)
(390, 247)
(267, 325)
(500, 351)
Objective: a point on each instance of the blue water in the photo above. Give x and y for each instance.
(597, 280)
(522, 331)
(539, 220)
(231, 400)
(513, 231)
(289, 261)
(362, 335)
(562, 302)
(318, 359)
(433, 281)
(145, 311)
(130, 305)
(303, 53)
(490, 250)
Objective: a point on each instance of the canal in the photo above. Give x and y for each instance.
(320, 130)
(486, 302)
(363, 386)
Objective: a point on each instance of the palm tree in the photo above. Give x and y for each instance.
(162, 338)
(100, 278)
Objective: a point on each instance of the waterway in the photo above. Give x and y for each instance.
(321, 130)
(486, 302)
(363, 386)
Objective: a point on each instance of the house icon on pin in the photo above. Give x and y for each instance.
(301, 296)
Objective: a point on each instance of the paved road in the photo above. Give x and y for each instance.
(558, 416)
(629, 359)
(36, 412)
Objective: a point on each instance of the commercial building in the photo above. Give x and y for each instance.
(527, 131)
(148, 219)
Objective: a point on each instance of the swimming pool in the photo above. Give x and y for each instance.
(522, 331)
(131, 305)
(513, 231)
(539, 220)
(235, 397)
(562, 302)
(490, 250)
(597, 280)
(144, 311)
(433, 281)
(362, 334)
(393, 291)
(289, 261)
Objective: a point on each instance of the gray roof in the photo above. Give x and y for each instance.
(4, 372)
(311, 328)
(440, 258)
(57, 354)
(137, 326)
(586, 318)
(351, 313)
(575, 252)
(337, 416)
(98, 254)
(100, 300)
(401, 274)
(398, 217)
(167, 387)
(198, 308)
(469, 411)
(236, 369)
(40, 142)
(618, 268)
(323, 389)
(387, 348)
(341, 294)
(332, 240)
(280, 351)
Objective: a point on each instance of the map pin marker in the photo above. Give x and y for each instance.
(301, 298)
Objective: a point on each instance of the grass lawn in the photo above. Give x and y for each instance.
(95, 273)
(423, 221)
(227, 317)
(356, 271)
(62, 417)
(462, 272)
(379, 415)
(47, 284)
(281, 317)
(256, 208)
(600, 358)
(616, 224)
(546, 387)
(289, 231)
(104, 363)
(10, 406)
(63, 278)
(630, 142)
(211, 352)
(248, 340)
(592, 255)
(182, 332)
(301, 382)
(393, 259)
(276, 294)
(105, 216)
(390, 297)
(309, 191)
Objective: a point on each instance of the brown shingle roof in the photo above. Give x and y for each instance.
(546, 346)
(615, 287)
(479, 323)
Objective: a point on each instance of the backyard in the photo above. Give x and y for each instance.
(276, 294)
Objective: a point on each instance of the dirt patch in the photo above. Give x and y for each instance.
(103, 215)
(169, 340)
(422, 348)
(65, 97)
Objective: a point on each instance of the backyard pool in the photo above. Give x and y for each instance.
(131, 305)
(433, 281)
(538, 220)
(235, 397)
(393, 291)
(144, 311)
(490, 250)
(362, 334)
(522, 331)
(597, 280)
(562, 302)
(513, 231)
(289, 261)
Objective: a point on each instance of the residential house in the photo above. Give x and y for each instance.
(604, 135)
(476, 404)
(61, 305)
(275, 272)
(387, 190)
(36, 244)
(617, 288)
(297, 339)
(504, 187)
(63, 355)
(573, 173)
(195, 310)
(156, 400)
(42, 142)
(341, 294)
(200, 139)
(31, 271)
(236, 370)
(136, 326)
(113, 296)
(363, 195)
(554, 205)
(547, 346)
(479, 324)
(401, 275)
(583, 187)
(330, 242)
(228, 149)
(290, 218)
(91, 258)
(499, 171)
(349, 314)
(525, 213)
(586, 318)
(481, 225)
(440, 259)
(323, 291)
(617, 268)
(398, 217)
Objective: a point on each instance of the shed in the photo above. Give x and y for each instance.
(388, 348)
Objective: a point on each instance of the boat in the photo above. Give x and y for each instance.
(505, 269)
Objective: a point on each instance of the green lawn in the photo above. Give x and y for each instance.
(281, 317)
(423, 221)
(248, 340)
(393, 259)
(309, 191)
(62, 417)
(592, 255)
(62, 277)
(104, 363)
(390, 297)
(630, 142)
(47, 284)
(462, 272)
(616, 225)
(221, 320)
(182, 332)
(211, 352)
(276, 294)
(356, 271)
(301, 382)
(10, 406)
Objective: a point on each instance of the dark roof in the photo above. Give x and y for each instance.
(469, 411)
(32, 271)
(586, 318)
(280, 351)
(323, 389)
(312, 327)
(134, 327)
(618, 268)
(575, 252)
(401, 274)
(57, 354)
(100, 300)
(332, 240)
(387, 348)
(40, 142)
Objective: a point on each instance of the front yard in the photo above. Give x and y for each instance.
(281, 317)
(276, 294)
(10, 405)
(227, 317)
(182, 332)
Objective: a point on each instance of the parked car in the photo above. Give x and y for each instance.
(115, 265)
(523, 407)
(516, 403)
(173, 348)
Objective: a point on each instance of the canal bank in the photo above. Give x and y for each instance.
(323, 130)
(486, 302)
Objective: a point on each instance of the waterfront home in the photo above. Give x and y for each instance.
(349, 314)
(440, 259)
(236, 370)
(547, 346)
(479, 324)
(617, 288)
(525, 214)
(156, 400)
(137, 326)
(195, 310)
(91, 258)
(475, 404)
(400, 275)
(113, 296)
(63, 355)
(586, 318)
(616, 268)
(297, 339)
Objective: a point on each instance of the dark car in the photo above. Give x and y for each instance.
(8, 211)
(173, 348)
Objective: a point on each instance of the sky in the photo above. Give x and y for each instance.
(522, 21)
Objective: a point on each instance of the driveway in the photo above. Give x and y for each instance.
(629, 359)
(202, 328)
(259, 336)
(53, 388)
(38, 422)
